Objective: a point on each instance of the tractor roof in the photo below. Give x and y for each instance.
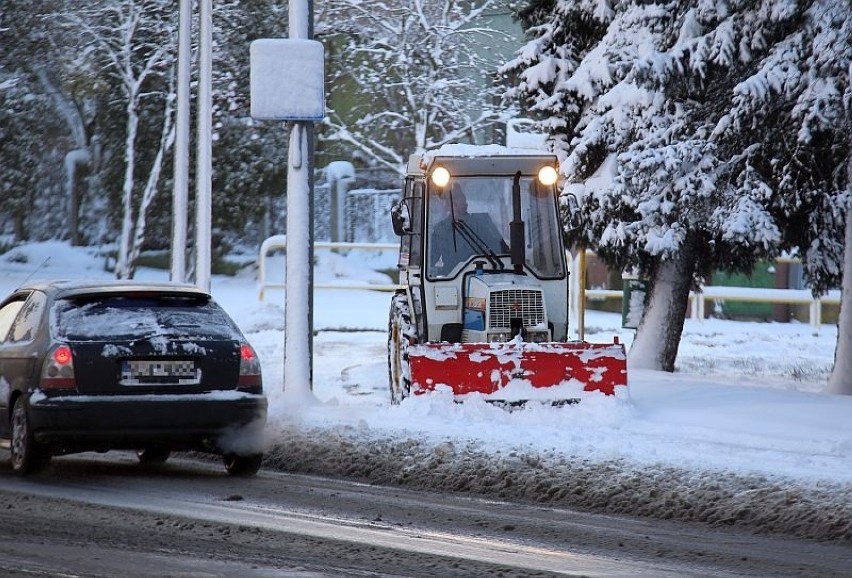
(462, 159)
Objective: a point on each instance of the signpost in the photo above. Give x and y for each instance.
(287, 84)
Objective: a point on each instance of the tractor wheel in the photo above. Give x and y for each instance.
(400, 335)
(28, 456)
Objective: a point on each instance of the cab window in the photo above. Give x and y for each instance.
(411, 243)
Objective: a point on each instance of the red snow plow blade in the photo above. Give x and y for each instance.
(517, 368)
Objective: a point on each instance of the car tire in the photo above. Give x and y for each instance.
(27, 455)
(242, 466)
(152, 455)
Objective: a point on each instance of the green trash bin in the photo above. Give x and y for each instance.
(633, 300)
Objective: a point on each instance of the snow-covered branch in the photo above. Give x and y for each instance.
(418, 65)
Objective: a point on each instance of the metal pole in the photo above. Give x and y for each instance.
(298, 332)
(180, 200)
(205, 147)
(581, 303)
(309, 135)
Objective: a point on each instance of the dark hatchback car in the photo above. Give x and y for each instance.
(155, 368)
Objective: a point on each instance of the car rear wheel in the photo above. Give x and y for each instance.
(242, 466)
(28, 455)
(153, 455)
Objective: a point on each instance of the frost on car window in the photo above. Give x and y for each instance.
(98, 318)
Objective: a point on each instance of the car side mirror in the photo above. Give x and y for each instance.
(401, 218)
(572, 210)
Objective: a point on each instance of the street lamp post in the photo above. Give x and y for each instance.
(203, 196)
(180, 199)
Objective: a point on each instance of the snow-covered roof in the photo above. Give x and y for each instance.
(491, 150)
(422, 162)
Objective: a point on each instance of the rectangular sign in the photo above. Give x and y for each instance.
(287, 79)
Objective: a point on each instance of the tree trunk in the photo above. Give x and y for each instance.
(76, 159)
(151, 188)
(658, 336)
(841, 376)
(123, 264)
(20, 224)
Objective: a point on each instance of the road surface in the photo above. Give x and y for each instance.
(105, 515)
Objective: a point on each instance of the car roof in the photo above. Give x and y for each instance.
(61, 288)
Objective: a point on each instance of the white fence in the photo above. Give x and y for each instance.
(368, 215)
(697, 300)
(279, 242)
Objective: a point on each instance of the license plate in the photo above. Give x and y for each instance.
(159, 372)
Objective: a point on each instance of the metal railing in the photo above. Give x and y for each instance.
(698, 300)
(279, 242)
(755, 295)
(579, 296)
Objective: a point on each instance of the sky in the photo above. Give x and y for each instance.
(747, 397)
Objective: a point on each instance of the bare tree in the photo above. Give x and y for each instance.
(28, 119)
(133, 41)
(414, 74)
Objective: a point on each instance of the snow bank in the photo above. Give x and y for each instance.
(819, 511)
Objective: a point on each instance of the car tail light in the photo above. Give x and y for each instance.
(58, 369)
(249, 369)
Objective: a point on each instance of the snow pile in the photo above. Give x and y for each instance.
(821, 511)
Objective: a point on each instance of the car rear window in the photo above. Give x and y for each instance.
(143, 316)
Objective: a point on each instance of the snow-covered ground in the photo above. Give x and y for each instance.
(741, 434)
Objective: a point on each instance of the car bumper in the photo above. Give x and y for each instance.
(116, 422)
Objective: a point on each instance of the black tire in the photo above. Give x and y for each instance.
(400, 335)
(28, 456)
(242, 466)
(152, 455)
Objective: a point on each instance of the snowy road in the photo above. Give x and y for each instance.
(739, 436)
(95, 514)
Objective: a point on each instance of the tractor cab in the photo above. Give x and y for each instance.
(469, 220)
(482, 261)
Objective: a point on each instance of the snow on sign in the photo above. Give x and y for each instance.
(287, 79)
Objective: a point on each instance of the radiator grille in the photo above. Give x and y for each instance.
(524, 303)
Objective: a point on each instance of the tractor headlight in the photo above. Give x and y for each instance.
(546, 175)
(441, 176)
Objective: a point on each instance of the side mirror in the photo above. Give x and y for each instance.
(572, 209)
(401, 218)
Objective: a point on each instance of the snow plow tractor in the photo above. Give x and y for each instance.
(483, 307)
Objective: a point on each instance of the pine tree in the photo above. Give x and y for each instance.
(249, 156)
(636, 97)
(31, 187)
(802, 91)
(795, 109)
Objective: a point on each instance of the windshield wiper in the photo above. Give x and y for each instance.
(475, 241)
